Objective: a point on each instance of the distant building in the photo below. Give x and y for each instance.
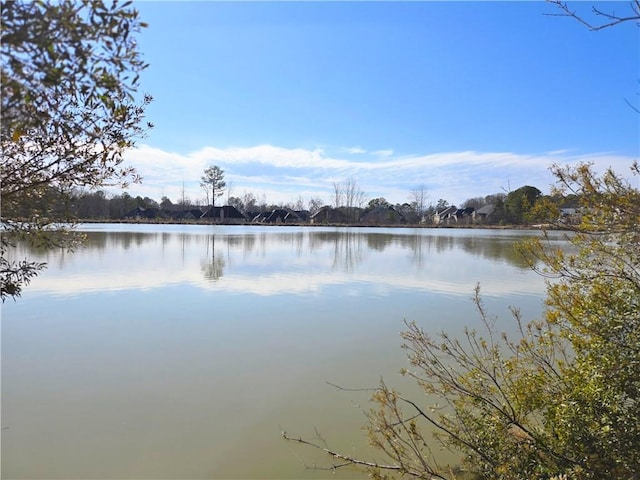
(329, 215)
(225, 214)
(443, 216)
(483, 214)
(140, 213)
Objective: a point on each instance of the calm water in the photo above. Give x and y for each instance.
(157, 351)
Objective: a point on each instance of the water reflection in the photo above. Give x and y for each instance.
(213, 268)
(270, 261)
(139, 354)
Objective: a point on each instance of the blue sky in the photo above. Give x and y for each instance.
(465, 98)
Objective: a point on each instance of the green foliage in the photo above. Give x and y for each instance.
(69, 75)
(595, 307)
(519, 204)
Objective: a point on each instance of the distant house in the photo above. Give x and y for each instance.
(462, 215)
(329, 215)
(570, 216)
(483, 214)
(278, 215)
(383, 215)
(443, 216)
(257, 217)
(284, 215)
(303, 215)
(187, 215)
(225, 214)
(140, 213)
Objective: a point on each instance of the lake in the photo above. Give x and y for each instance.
(183, 351)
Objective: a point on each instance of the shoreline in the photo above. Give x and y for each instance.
(346, 225)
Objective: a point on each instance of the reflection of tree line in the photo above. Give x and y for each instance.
(347, 247)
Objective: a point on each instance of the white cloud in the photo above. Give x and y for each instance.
(355, 150)
(281, 174)
(383, 153)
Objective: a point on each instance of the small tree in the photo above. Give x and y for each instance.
(213, 180)
(69, 74)
(441, 204)
(249, 201)
(418, 200)
(315, 204)
(236, 202)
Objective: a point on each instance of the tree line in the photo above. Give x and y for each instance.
(518, 207)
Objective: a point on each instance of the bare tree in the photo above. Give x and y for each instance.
(298, 204)
(418, 199)
(249, 201)
(349, 195)
(474, 202)
(337, 194)
(230, 188)
(236, 203)
(205, 187)
(315, 204)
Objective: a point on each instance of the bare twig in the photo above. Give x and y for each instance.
(347, 458)
(611, 19)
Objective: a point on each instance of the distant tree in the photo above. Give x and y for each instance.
(69, 74)
(493, 198)
(315, 204)
(441, 204)
(92, 205)
(500, 212)
(120, 205)
(166, 204)
(377, 202)
(261, 203)
(185, 202)
(354, 197)
(230, 188)
(213, 181)
(299, 204)
(347, 194)
(475, 203)
(338, 199)
(418, 199)
(250, 202)
(236, 202)
(520, 202)
(149, 203)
